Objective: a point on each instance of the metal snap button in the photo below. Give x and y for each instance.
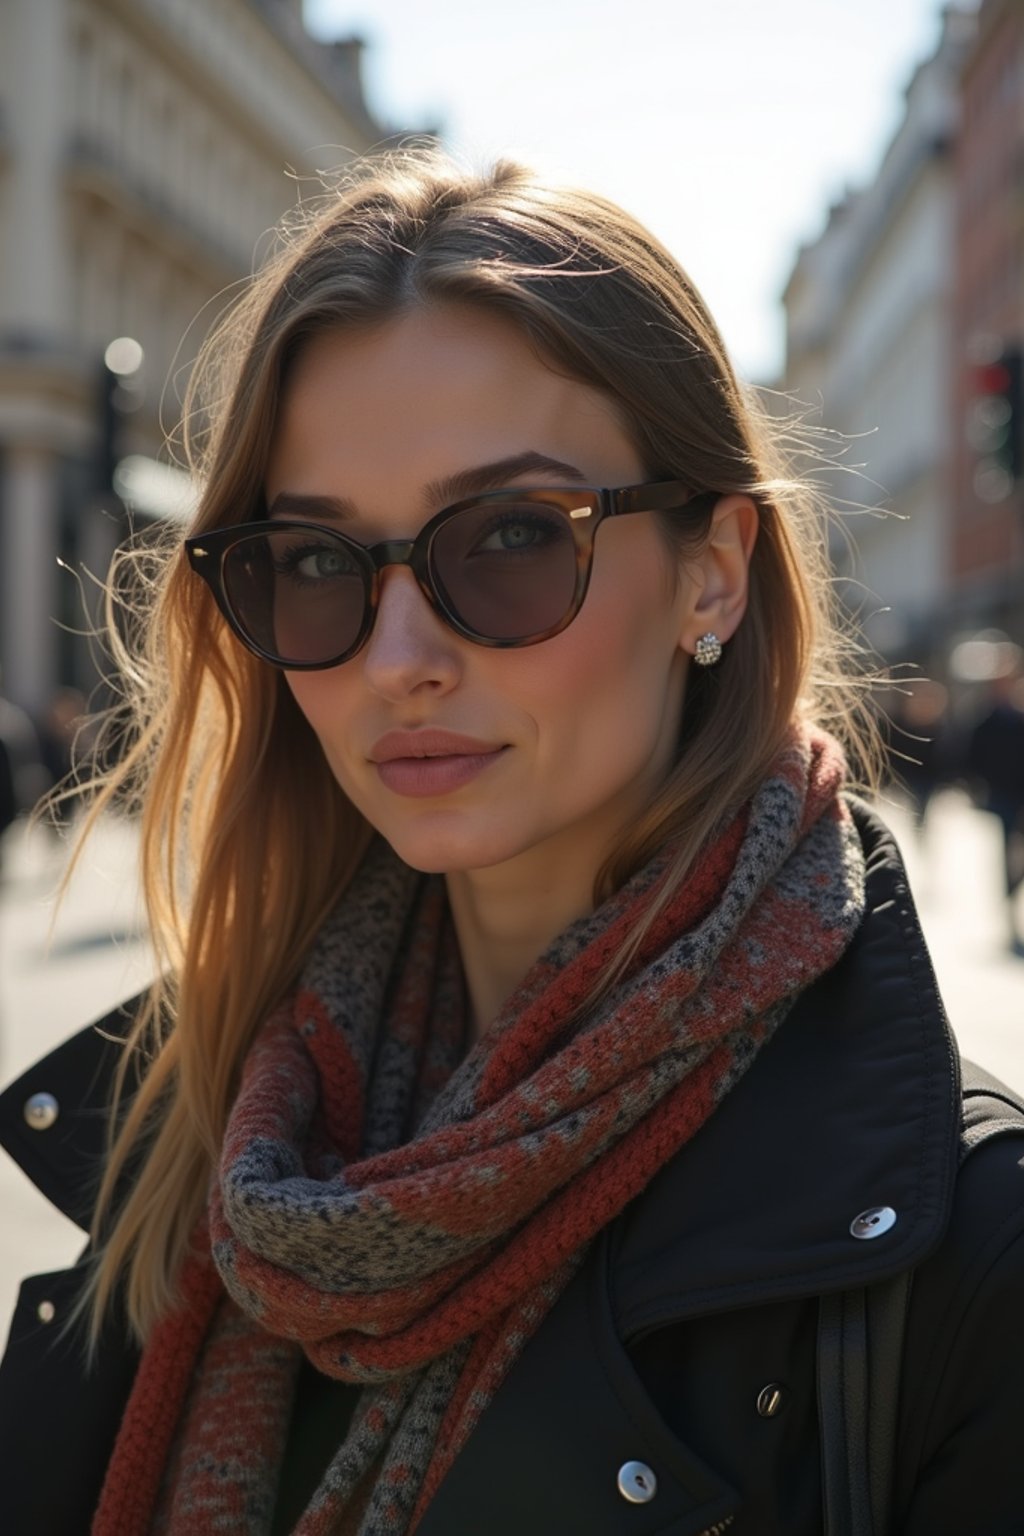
(873, 1222)
(769, 1400)
(40, 1111)
(637, 1482)
(46, 1311)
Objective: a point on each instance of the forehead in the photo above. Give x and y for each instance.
(427, 393)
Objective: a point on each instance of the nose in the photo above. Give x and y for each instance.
(410, 648)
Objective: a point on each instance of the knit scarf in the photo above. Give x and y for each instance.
(407, 1214)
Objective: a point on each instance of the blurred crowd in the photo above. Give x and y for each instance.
(38, 753)
(969, 734)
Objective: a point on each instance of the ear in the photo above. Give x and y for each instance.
(720, 574)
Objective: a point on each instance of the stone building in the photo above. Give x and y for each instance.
(987, 561)
(145, 148)
(869, 340)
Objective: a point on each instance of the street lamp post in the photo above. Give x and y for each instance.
(120, 394)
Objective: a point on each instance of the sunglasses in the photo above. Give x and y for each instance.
(508, 568)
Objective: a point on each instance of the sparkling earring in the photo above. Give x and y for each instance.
(708, 651)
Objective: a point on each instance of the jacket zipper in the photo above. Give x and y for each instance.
(716, 1530)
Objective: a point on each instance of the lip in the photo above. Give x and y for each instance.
(429, 743)
(420, 764)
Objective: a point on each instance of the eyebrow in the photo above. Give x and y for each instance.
(437, 493)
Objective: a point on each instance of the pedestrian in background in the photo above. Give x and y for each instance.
(63, 737)
(995, 768)
(922, 745)
(545, 1078)
(28, 773)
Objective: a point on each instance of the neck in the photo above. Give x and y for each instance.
(505, 919)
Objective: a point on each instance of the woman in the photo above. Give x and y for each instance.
(541, 1030)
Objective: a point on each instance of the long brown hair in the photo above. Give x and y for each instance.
(238, 870)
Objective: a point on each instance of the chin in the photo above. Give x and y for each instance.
(448, 853)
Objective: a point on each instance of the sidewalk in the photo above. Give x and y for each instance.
(97, 957)
(956, 876)
(50, 986)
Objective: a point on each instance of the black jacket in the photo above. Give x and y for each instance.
(687, 1342)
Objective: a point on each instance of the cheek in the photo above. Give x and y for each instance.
(322, 699)
(614, 679)
(632, 618)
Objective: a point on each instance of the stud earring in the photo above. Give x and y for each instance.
(708, 651)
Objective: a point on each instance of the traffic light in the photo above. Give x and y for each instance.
(994, 424)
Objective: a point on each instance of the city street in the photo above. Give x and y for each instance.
(51, 984)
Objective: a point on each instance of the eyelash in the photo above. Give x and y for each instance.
(288, 563)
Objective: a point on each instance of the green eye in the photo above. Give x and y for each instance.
(325, 562)
(314, 562)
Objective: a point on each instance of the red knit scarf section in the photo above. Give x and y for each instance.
(408, 1218)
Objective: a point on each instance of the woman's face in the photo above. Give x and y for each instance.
(562, 741)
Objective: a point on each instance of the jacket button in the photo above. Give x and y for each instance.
(637, 1482)
(873, 1222)
(46, 1311)
(41, 1110)
(769, 1400)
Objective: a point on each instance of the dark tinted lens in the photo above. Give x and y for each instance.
(298, 593)
(508, 571)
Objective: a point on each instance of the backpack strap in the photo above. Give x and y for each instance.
(860, 1353)
(860, 1346)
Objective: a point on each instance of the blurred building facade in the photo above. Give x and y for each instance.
(870, 341)
(145, 148)
(987, 548)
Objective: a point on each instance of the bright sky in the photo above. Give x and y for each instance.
(727, 126)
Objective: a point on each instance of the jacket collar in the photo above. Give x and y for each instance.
(852, 1107)
(54, 1118)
